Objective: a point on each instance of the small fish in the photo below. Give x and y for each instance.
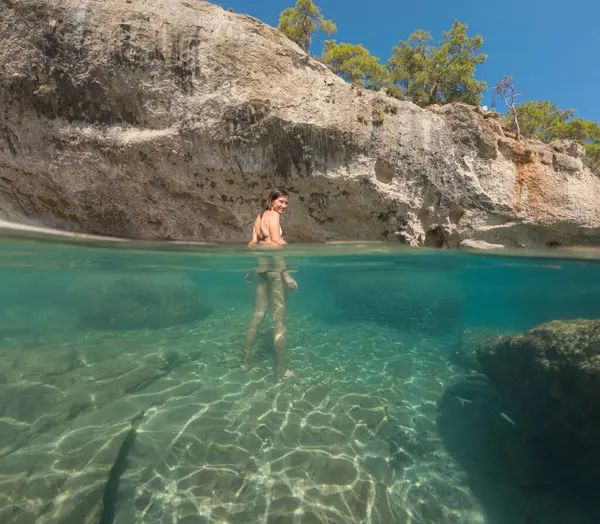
(507, 418)
(464, 401)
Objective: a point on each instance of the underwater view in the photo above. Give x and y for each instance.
(177, 383)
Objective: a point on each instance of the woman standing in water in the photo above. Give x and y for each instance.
(273, 280)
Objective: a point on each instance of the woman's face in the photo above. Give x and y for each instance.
(280, 204)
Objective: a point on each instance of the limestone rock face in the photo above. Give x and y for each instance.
(569, 147)
(552, 373)
(147, 119)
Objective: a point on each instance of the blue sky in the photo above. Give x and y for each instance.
(549, 46)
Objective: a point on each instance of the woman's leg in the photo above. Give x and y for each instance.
(261, 303)
(278, 301)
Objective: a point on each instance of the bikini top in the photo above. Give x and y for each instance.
(262, 238)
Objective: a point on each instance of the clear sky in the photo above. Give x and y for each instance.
(551, 47)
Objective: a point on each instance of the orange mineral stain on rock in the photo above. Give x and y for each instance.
(529, 183)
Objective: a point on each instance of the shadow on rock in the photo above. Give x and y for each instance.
(514, 481)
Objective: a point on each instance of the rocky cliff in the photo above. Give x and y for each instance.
(147, 119)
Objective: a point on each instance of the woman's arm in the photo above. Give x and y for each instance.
(254, 240)
(275, 230)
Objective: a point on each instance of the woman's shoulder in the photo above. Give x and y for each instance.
(269, 215)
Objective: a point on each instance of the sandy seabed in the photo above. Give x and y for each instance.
(161, 426)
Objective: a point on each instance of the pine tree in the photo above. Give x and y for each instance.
(300, 23)
(540, 118)
(355, 64)
(438, 75)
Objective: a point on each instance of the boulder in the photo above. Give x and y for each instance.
(479, 244)
(144, 301)
(567, 163)
(568, 147)
(551, 374)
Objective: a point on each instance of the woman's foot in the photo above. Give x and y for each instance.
(246, 367)
(289, 373)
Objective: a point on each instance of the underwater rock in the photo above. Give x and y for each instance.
(551, 374)
(68, 415)
(146, 119)
(464, 353)
(149, 301)
(63, 480)
(49, 387)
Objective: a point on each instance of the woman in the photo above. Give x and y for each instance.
(273, 280)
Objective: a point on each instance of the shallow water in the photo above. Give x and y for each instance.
(122, 399)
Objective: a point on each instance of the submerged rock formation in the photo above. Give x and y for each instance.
(138, 302)
(552, 373)
(150, 120)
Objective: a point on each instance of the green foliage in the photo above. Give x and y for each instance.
(395, 92)
(390, 108)
(578, 129)
(540, 118)
(355, 64)
(586, 133)
(300, 23)
(442, 74)
(45, 89)
(592, 158)
(548, 122)
(378, 116)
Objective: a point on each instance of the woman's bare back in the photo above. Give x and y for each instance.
(263, 225)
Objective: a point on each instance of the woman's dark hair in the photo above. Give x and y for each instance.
(274, 195)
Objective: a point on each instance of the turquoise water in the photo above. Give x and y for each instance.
(122, 399)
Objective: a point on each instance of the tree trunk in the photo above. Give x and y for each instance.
(516, 122)
(307, 46)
